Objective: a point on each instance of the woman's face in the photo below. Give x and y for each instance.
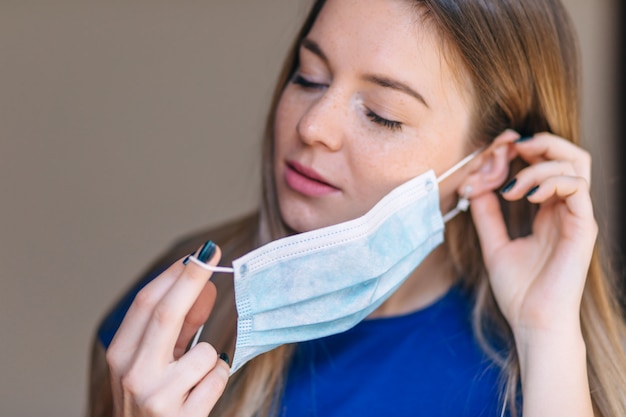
(372, 104)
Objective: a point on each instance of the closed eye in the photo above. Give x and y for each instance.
(389, 124)
(303, 82)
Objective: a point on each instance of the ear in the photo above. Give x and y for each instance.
(489, 171)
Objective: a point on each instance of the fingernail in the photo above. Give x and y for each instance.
(532, 191)
(523, 139)
(207, 251)
(224, 357)
(186, 260)
(508, 186)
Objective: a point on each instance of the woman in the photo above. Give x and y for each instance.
(373, 94)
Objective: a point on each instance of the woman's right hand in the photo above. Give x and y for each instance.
(151, 374)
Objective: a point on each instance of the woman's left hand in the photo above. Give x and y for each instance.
(538, 280)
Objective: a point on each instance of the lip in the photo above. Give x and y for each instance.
(307, 181)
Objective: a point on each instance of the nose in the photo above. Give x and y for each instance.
(322, 122)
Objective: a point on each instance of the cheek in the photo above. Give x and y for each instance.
(377, 168)
(286, 120)
(387, 163)
(280, 120)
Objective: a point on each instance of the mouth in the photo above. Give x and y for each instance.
(307, 181)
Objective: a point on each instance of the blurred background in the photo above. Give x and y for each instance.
(127, 124)
(620, 143)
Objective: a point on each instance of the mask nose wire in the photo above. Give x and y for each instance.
(462, 206)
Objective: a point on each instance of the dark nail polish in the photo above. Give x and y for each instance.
(508, 186)
(186, 260)
(207, 251)
(523, 139)
(532, 191)
(224, 357)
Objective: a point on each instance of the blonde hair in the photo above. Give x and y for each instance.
(521, 60)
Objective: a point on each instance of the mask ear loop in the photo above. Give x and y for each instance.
(459, 165)
(211, 268)
(461, 206)
(463, 203)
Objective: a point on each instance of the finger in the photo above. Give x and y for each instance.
(574, 191)
(191, 368)
(205, 395)
(197, 316)
(165, 325)
(533, 175)
(489, 223)
(133, 326)
(546, 147)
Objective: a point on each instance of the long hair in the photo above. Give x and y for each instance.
(521, 59)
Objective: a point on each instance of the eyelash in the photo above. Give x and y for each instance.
(389, 124)
(303, 82)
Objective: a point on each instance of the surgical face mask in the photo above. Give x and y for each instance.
(325, 281)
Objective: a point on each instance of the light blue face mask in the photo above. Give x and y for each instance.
(325, 281)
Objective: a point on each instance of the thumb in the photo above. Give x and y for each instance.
(489, 222)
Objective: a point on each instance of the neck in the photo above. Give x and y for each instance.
(428, 282)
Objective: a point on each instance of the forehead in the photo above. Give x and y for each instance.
(390, 37)
(371, 28)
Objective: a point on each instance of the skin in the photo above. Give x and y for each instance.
(538, 280)
(324, 122)
(150, 373)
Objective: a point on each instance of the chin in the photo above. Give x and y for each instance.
(302, 214)
(301, 222)
(305, 219)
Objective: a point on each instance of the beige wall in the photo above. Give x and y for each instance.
(124, 125)
(597, 25)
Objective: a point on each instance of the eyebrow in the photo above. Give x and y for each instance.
(380, 80)
(395, 85)
(312, 46)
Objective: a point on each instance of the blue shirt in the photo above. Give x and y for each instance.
(113, 319)
(426, 363)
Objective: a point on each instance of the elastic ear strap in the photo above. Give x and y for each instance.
(462, 205)
(459, 165)
(196, 338)
(211, 267)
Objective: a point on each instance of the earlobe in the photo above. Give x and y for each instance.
(491, 172)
